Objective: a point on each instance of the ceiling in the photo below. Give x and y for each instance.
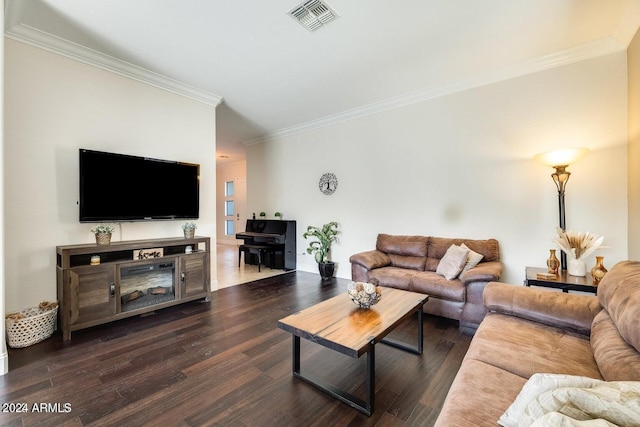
(273, 77)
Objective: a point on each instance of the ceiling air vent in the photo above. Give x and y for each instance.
(313, 14)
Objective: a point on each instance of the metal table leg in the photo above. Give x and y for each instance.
(364, 406)
(403, 346)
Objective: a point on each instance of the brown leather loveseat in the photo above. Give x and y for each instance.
(413, 263)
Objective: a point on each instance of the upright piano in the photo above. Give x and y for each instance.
(281, 234)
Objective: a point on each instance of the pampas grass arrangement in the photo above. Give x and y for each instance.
(577, 245)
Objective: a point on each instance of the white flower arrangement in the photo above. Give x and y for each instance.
(103, 229)
(577, 245)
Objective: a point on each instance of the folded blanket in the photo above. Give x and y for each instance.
(574, 401)
(556, 419)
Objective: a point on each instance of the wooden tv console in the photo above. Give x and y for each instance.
(127, 282)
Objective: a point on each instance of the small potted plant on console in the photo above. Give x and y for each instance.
(321, 247)
(103, 234)
(189, 229)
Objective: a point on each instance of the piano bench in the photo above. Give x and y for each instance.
(253, 249)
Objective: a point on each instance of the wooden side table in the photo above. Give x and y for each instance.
(563, 280)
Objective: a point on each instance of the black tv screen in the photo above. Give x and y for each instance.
(118, 187)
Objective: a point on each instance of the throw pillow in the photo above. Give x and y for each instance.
(452, 262)
(534, 387)
(472, 259)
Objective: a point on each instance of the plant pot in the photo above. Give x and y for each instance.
(576, 267)
(326, 269)
(103, 238)
(189, 233)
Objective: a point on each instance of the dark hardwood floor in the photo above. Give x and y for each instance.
(225, 362)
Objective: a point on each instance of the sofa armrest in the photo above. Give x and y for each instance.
(558, 309)
(370, 259)
(483, 272)
(364, 262)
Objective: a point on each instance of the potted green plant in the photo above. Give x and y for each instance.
(103, 234)
(263, 215)
(189, 229)
(278, 215)
(321, 247)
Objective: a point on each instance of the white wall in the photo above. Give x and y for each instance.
(633, 55)
(54, 106)
(4, 357)
(462, 166)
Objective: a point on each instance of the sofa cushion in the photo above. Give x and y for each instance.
(409, 262)
(619, 294)
(434, 285)
(524, 347)
(474, 399)
(402, 245)
(616, 359)
(558, 309)
(489, 249)
(404, 251)
(452, 262)
(393, 277)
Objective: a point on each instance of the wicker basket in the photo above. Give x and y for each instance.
(31, 325)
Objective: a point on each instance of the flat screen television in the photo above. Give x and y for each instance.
(118, 187)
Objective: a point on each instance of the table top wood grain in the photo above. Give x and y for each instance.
(339, 324)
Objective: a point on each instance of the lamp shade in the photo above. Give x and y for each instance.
(561, 157)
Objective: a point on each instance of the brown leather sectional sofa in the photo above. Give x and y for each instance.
(410, 263)
(535, 330)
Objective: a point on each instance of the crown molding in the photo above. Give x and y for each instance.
(41, 39)
(569, 56)
(18, 31)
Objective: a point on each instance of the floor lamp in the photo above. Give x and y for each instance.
(560, 160)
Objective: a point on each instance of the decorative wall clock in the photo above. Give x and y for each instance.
(328, 183)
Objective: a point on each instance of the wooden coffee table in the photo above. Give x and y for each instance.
(340, 325)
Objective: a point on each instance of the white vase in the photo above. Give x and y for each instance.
(577, 267)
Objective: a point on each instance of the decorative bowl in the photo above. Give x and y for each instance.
(363, 294)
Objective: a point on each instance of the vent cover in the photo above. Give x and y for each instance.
(313, 14)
